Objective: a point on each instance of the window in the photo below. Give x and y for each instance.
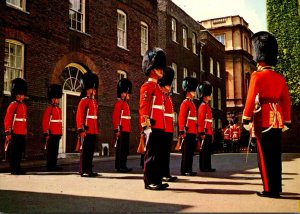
(218, 70)
(194, 75)
(77, 15)
(194, 42)
(221, 38)
(144, 38)
(121, 74)
(219, 123)
(185, 72)
(19, 4)
(122, 32)
(174, 30)
(175, 126)
(245, 43)
(212, 97)
(184, 37)
(211, 65)
(13, 62)
(174, 85)
(219, 99)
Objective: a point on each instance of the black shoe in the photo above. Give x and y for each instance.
(268, 194)
(208, 170)
(189, 173)
(169, 178)
(156, 186)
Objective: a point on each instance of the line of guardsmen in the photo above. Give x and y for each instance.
(268, 98)
(231, 134)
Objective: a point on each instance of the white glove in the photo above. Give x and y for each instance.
(147, 132)
(285, 128)
(248, 126)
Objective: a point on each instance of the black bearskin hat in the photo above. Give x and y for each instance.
(189, 84)
(153, 58)
(54, 91)
(225, 123)
(88, 81)
(167, 78)
(234, 120)
(18, 87)
(265, 47)
(204, 89)
(124, 85)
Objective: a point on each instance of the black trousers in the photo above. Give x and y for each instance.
(17, 147)
(52, 150)
(166, 153)
(153, 158)
(187, 153)
(122, 150)
(269, 160)
(87, 153)
(205, 153)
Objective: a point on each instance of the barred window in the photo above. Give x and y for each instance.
(13, 62)
(77, 15)
(194, 43)
(174, 84)
(184, 37)
(144, 38)
(174, 31)
(122, 31)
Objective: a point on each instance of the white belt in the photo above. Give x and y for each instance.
(92, 117)
(56, 121)
(161, 107)
(126, 117)
(21, 119)
(192, 118)
(208, 120)
(168, 115)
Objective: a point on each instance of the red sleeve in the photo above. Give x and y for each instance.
(250, 102)
(46, 118)
(201, 118)
(117, 114)
(145, 102)
(8, 120)
(182, 115)
(286, 104)
(80, 115)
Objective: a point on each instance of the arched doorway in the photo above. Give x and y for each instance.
(71, 91)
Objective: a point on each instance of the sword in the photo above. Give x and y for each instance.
(81, 143)
(116, 142)
(146, 142)
(7, 142)
(181, 143)
(202, 142)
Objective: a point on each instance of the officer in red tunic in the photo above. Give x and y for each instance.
(151, 114)
(226, 136)
(187, 122)
(235, 135)
(15, 125)
(87, 123)
(268, 91)
(52, 126)
(165, 83)
(204, 91)
(121, 122)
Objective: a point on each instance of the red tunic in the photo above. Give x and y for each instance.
(52, 120)
(87, 115)
(273, 95)
(151, 104)
(226, 133)
(187, 119)
(205, 119)
(121, 116)
(235, 132)
(16, 118)
(169, 113)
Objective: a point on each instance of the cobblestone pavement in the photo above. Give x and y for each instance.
(231, 188)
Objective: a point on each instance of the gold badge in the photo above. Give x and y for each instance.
(145, 96)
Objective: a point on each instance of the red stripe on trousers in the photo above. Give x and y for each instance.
(263, 167)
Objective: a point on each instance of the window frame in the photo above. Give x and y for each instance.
(218, 69)
(221, 38)
(185, 36)
(122, 74)
(123, 31)
(211, 65)
(194, 43)
(82, 20)
(212, 97)
(185, 72)
(21, 6)
(175, 80)
(174, 30)
(219, 99)
(145, 43)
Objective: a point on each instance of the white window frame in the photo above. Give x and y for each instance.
(174, 84)
(79, 16)
(185, 72)
(184, 36)
(174, 30)
(144, 38)
(211, 65)
(175, 126)
(221, 38)
(218, 69)
(194, 43)
(246, 43)
(121, 74)
(13, 68)
(122, 30)
(212, 97)
(18, 4)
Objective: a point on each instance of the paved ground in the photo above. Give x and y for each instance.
(231, 188)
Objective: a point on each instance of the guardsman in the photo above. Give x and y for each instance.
(87, 123)
(226, 135)
(52, 126)
(235, 135)
(151, 113)
(205, 132)
(15, 125)
(268, 105)
(166, 83)
(121, 122)
(187, 122)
